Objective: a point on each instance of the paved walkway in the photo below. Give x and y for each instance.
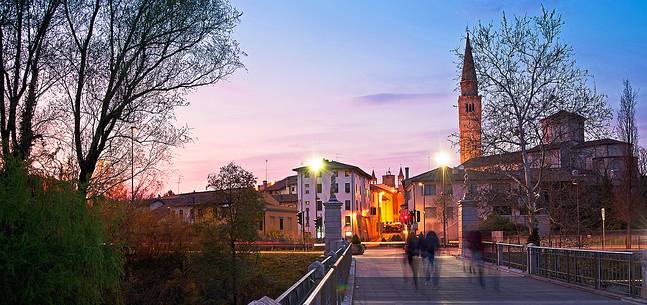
(381, 277)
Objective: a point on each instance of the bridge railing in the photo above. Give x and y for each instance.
(614, 271)
(331, 289)
(310, 283)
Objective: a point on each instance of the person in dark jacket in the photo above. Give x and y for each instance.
(432, 244)
(411, 249)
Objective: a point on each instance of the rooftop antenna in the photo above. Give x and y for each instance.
(265, 169)
(179, 179)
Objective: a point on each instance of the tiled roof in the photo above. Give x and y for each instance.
(195, 198)
(454, 174)
(598, 142)
(563, 113)
(505, 158)
(383, 187)
(281, 184)
(328, 164)
(285, 198)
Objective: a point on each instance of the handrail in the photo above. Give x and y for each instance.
(580, 250)
(328, 277)
(295, 286)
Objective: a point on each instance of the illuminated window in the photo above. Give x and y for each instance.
(347, 220)
(346, 173)
(281, 223)
(307, 202)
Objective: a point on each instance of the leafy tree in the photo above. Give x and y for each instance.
(52, 246)
(226, 240)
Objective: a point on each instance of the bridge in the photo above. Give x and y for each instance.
(513, 274)
(383, 277)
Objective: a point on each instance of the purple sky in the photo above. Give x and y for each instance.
(371, 83)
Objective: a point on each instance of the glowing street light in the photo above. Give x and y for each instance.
(442, 158)
(315, 164)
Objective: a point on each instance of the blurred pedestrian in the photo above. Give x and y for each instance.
(411, 249)
(476, 249)
(432, 244)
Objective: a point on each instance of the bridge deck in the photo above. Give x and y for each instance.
(383, 277)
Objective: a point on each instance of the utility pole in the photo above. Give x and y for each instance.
(179, 179)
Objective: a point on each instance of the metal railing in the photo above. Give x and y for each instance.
(331, 289)
(614, 271)
(310, 283)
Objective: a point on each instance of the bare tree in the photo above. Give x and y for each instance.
(27, 43)
(131, 63)
(628, 133)
(527, 73)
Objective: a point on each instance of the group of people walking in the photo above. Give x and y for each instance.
(424, 246)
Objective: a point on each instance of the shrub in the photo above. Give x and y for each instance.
(52, 246)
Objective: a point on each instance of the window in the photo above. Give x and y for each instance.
(292, 189)
(449, 213)
(347, 205)
(347, 187)
(346, 173)
(260, 225)
(307, 191)
(281, 223)
(319, 206)
(181, 212)
(307, 185)
(429, 189)
(373, 211)
(347, 218)
(431, 212)
(319, 188)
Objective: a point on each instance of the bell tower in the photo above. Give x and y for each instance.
(469, 108)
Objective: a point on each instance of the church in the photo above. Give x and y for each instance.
(568, 159)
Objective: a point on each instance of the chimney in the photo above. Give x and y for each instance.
(264, 185)
(406, 173)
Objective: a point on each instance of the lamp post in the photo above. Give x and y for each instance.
(443, 159)
(132, 164)
(603, 237)
(424, 207)
(577, 211)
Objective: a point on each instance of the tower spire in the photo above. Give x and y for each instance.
(468, 77)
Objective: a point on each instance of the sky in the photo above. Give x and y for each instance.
(373, 83)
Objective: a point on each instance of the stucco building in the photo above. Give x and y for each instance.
(351, 189)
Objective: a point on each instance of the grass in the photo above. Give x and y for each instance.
(281, 270)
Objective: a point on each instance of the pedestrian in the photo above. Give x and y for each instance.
(476, 247)
(432, 244)
(411, 248)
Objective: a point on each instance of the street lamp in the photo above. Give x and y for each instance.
(424, 207)
(603, 237)
(577, 208)
(443, 159)
(133, 129)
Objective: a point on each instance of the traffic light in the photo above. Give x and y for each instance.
(318, 222)
(300, 218)
(417, 215)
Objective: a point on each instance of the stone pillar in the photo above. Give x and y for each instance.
(468, 220)
(332, 223)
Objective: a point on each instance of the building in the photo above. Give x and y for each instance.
(386, 199)
(563, 157)
(195, 207)
(351, 189)
(286, 186)
(469, 108)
